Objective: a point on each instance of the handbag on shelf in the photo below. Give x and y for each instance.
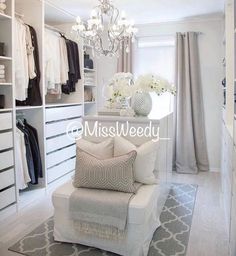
(2, 101)
(2, 49)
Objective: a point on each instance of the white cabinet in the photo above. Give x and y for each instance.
(7, 178)
(6, 159)
(233, 208)
(6, 140)
(60, 145)
(5, 121)
(61, 113)
(226, 172)
(7, 197)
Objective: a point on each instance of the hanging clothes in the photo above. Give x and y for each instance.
(34, 95)
(74, 67)
(29, 156)
(62, 65)
(64, 61)
(22, 171)
(21, 61)
(27, 72)
(30, 54)
(52, 63)
(34, 144)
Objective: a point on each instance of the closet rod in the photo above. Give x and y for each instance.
(54, 29)
(20, 115)
(19, 15)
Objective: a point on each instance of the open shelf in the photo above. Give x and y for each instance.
(5, 17)
(5, 109)
(28, 107)
(5, 84)
(89, 70)
(5, 58)
(90, 102)
(86, 85)
(62, 105)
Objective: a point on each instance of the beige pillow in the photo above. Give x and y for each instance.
(108, 174)
(144, 165)
(101, 150)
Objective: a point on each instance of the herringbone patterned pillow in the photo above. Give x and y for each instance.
(110, 174)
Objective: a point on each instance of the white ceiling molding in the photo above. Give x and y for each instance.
(148, 11)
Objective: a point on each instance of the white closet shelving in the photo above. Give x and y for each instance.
(228, 160)
(52, 119)
(7, 173)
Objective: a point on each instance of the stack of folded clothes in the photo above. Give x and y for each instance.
(2, 74)
(89, 79)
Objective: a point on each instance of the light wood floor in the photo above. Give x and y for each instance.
(208, 235)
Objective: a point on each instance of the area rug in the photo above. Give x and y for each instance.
(171, 239)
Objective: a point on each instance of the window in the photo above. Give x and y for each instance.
(156, 55)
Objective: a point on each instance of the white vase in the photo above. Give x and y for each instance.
(142, 104)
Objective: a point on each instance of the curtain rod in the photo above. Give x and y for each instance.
(162, 35)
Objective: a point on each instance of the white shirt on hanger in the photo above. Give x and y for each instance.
(52, 61)
(30, 54)
(21, 61)
(22, 171)
(64, 61)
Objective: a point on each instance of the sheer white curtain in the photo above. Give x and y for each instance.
(156, 55)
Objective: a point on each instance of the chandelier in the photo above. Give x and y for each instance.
(107, 31)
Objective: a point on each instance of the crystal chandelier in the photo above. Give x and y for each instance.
(106, 31)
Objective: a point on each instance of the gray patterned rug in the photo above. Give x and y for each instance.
(171, 239)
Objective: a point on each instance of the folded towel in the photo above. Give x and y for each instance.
(2, 67)
(2, 72)
(2, 80)
(2, 76)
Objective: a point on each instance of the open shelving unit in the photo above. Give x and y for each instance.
(52, 118)
(228, 166)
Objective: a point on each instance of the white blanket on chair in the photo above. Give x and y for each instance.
(100, 212)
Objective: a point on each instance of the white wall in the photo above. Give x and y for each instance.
(211, 56)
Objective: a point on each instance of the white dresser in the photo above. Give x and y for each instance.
(7, 176)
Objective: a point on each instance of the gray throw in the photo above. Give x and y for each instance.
(100, 212)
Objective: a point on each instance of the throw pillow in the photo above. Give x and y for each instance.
(101, 150)
(109, 174)
(145, 161)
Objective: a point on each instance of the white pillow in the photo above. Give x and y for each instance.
(103, 150)
(145, 161)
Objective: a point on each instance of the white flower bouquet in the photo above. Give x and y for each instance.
(152, 83)
(119, 89)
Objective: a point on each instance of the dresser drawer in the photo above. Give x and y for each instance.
(61, 170)
(5, 121)
(7, 197)
(6, 159)
(61, 127)
(60, 113)
(60, 156)
(7, 178)
(59, 142)
(6, 140)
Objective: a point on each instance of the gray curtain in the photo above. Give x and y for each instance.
(190, 154)
(125, 59)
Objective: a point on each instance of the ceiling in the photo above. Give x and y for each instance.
(148, 11)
